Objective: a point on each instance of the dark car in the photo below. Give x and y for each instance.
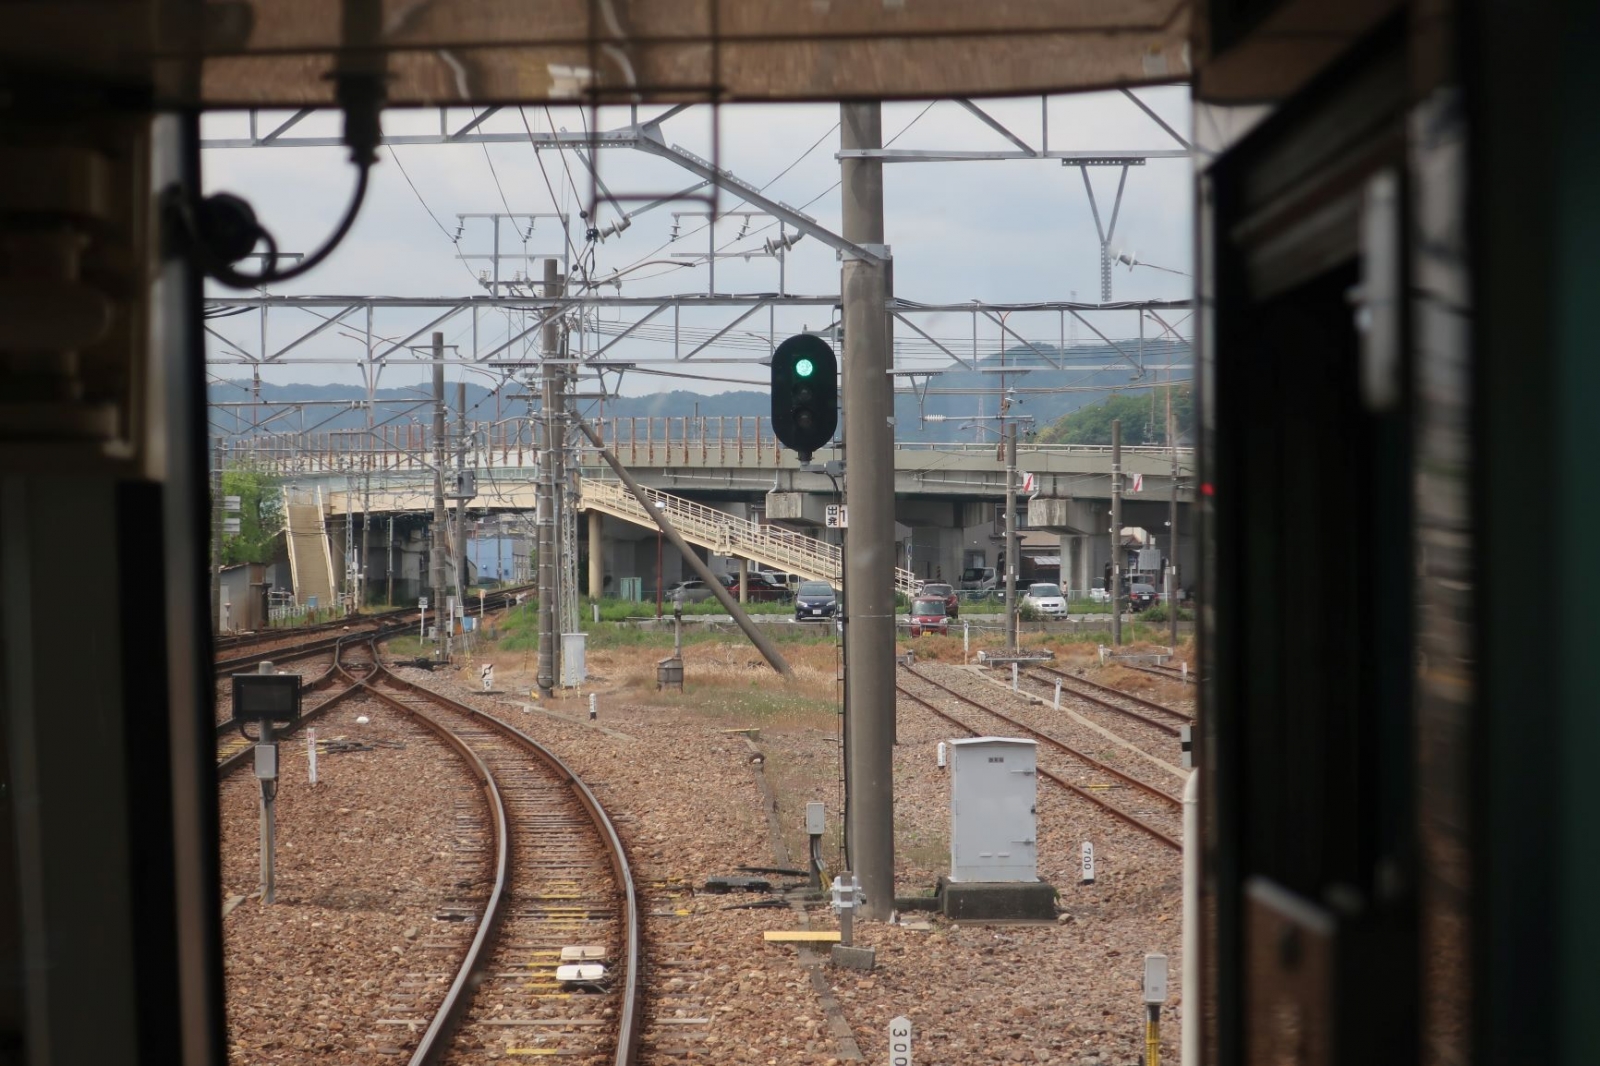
(927, 616)
(952, 603)
(815, 601)
(1141, 596)
(760, 589)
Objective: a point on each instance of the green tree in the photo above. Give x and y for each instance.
(1142, 421)
(260, 516)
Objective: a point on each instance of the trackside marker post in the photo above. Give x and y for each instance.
(311, 753)
(1088, 863)
(900, 1041)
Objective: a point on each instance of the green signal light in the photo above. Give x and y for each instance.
(804, 368)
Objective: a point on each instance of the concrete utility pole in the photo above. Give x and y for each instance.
(1172, 538)
(461, 503)
(869, 564)
(216, 541)
(1116, 531)
(1011, 537)
(438, 549)
(546, 515)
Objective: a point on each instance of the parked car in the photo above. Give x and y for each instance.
(1141, 595)
(978, 579)
(815, 601)
(692, 591)
(952, 602)
(760, 589)
(1046, 599)
(927, 616)
(779, 578)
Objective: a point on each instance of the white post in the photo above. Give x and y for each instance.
(1013, 677)
(900, 1041)
(422, 628)
(1088, 863)
(1058, 693)
(311, 753)
(966, 639)
(1189, 1040)
(1185, 666)
(593, 711)
(942, 752)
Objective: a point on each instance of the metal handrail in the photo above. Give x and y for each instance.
(732, 535)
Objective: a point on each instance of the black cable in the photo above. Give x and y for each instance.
(221, 229)
(214, 265)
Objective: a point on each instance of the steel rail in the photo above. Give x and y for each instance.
(631, 1014)
(1154, 723)
(1165, 672)
(398, 620)
(1076, 790)
(1159, 708)
(234, 760)
(1127, 779)
(458, 998)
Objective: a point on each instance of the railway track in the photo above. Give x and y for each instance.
(560, 881)
(1166, 673)
(288, 643)
(1157, 727)
(354, 659)
(1088, 780)
(1157, 716)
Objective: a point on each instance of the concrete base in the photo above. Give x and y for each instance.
(854, 958)
(996, 900)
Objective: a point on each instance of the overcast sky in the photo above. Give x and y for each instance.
(1006, 232)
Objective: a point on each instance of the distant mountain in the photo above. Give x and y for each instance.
(1092, 372)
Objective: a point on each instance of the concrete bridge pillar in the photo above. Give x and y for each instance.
(1078, 562)
(597, 555)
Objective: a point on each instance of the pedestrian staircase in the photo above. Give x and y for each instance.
(310, 557)
(769, 546)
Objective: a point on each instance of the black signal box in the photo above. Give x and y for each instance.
(266, 697)
(805, 394)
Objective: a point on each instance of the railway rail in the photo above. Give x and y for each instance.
(1166, 673)
(1164, 802)
(561, 881)
(324, 635)
(1157, 716)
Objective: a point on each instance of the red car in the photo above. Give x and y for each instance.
(927, 616)
(952, 603)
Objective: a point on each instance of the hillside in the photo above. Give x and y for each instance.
(951, 396)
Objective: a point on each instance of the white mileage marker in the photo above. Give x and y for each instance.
(900, 1041)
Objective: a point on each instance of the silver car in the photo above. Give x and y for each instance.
(1046, 599)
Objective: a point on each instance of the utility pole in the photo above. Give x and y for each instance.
(216, 541)
(388, 596)
(865, 286)
(1011, 537)
(1116, 531)
(437, 551)
(461, 502)
(546, 515)
(1172, 538)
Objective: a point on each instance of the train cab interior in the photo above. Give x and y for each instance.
(1397, 224)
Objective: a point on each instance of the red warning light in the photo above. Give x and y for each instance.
(1206, 489)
